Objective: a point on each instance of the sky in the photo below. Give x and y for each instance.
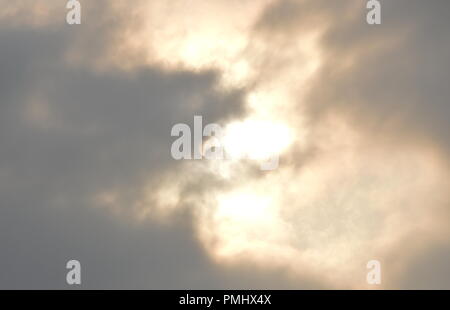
(358, 115)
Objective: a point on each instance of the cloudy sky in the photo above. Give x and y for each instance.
(359, 115)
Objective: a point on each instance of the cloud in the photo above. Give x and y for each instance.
(70, 134)
(85, 166)
(366, 174)
(388, 84)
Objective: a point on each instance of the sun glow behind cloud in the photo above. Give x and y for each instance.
(344, 207)
(256, 139)
(339, 198)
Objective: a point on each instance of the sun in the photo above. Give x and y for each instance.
(256, 139)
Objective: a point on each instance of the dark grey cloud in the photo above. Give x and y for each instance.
(391, 78)
(397, 85)
(429, 270)
(106, 130)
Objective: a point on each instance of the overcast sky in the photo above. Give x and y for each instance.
(358, 113)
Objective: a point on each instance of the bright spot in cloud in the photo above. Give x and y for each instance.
(256, 139)
(244, 207)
